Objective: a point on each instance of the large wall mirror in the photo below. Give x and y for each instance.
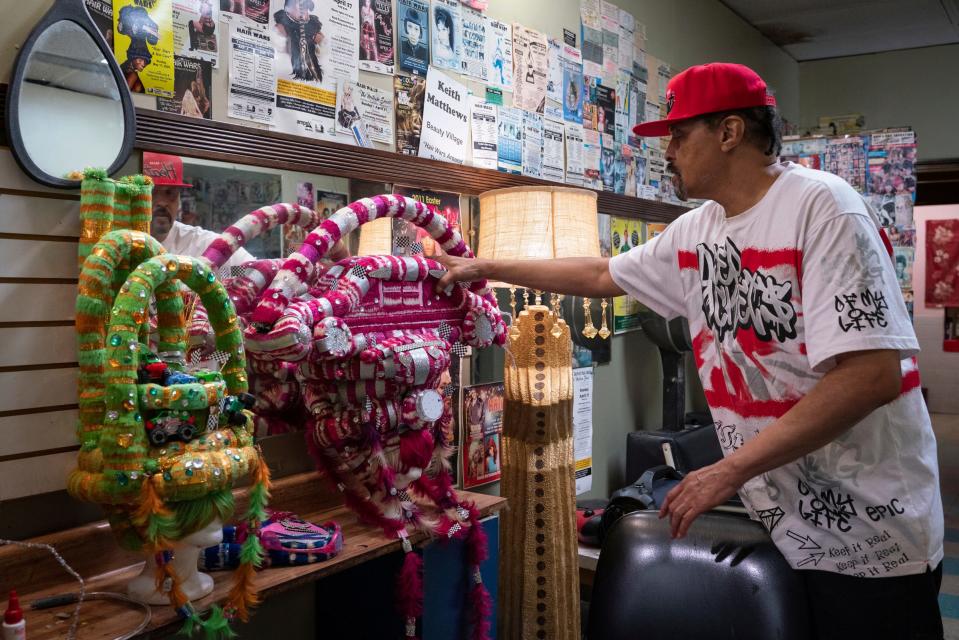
(68, 107)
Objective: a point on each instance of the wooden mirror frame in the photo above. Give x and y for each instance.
(73, 11)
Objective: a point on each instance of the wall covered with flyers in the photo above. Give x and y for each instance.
(881, 165)
(353, 72)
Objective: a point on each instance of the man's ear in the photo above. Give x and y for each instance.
(732, 131)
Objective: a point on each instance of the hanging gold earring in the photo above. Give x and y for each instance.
(588, 329)
(604, 331)
(557, 329)
(513, 328)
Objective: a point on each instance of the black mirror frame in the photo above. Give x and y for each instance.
(73, 11)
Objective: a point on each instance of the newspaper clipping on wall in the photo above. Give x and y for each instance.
(574, 154)
(252, 75)
(195, 29)
(143, 45)
(473, 58)
(412, 23)
(376, 36)
(553, 151)
(532, 145)
(446, 118)
(530, 50)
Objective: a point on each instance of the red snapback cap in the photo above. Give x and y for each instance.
(708, 88)
(165, 170)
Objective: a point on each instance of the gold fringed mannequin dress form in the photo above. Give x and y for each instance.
(539, 571)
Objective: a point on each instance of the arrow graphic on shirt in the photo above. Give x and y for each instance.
(805, 542)
(814, 558)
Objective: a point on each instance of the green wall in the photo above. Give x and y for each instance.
(913, 87)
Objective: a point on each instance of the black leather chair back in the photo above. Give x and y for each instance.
(724, 580)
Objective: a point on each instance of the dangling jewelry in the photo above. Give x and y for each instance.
(604, 331)
(513, 329)
(525, 298)
(539, 297)
(557, 330)
(588, 329)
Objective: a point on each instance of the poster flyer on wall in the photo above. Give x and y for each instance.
(564, 91)
(483, 428)
(361, 107)
(592, 161)
(253, 14)
(553, 151)
(412, 23)
(569, 37)
(409, 239)
(410, 92)
(252, 75)
(484, 132)
(318, 46)
(143, 45)
(499, 54)
(192, 89)
(625, 234)
(574, 154)
(473, 50)
(509, 142)
(195, 29)
(101, 12)
(445, 118)
(376, 36)
(530, 59)
(583, 428)
(446, 29)
(532, 145)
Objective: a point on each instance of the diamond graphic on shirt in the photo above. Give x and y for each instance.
(770, 517)
(736, 298)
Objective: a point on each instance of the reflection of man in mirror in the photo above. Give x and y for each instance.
(135, 23)
(304, 33)
(412, 45)
(178, 238)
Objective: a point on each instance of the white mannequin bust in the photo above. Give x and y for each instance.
(195, 585)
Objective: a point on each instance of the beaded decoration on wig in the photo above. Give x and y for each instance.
(161, 447)
(372, 342)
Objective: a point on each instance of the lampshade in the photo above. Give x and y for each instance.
(376, 238)
(526, 223)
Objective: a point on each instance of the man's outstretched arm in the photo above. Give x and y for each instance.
(584, 277)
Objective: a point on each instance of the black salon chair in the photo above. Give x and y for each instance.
(724, 580)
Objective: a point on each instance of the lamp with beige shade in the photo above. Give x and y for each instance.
(539, 575)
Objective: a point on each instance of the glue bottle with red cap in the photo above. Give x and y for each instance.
(14, 626)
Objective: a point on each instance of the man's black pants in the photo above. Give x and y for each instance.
(850, 608)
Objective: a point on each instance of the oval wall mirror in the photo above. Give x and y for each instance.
(68, 107)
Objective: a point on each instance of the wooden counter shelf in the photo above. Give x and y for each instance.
(93, 553)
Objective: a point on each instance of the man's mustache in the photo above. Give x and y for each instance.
(160, 210)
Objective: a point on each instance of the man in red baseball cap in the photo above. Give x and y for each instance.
(166, 171)
(805, 351)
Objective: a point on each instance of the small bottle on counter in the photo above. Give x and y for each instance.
(14, 626)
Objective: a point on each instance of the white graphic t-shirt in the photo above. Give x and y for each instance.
(772, 296)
